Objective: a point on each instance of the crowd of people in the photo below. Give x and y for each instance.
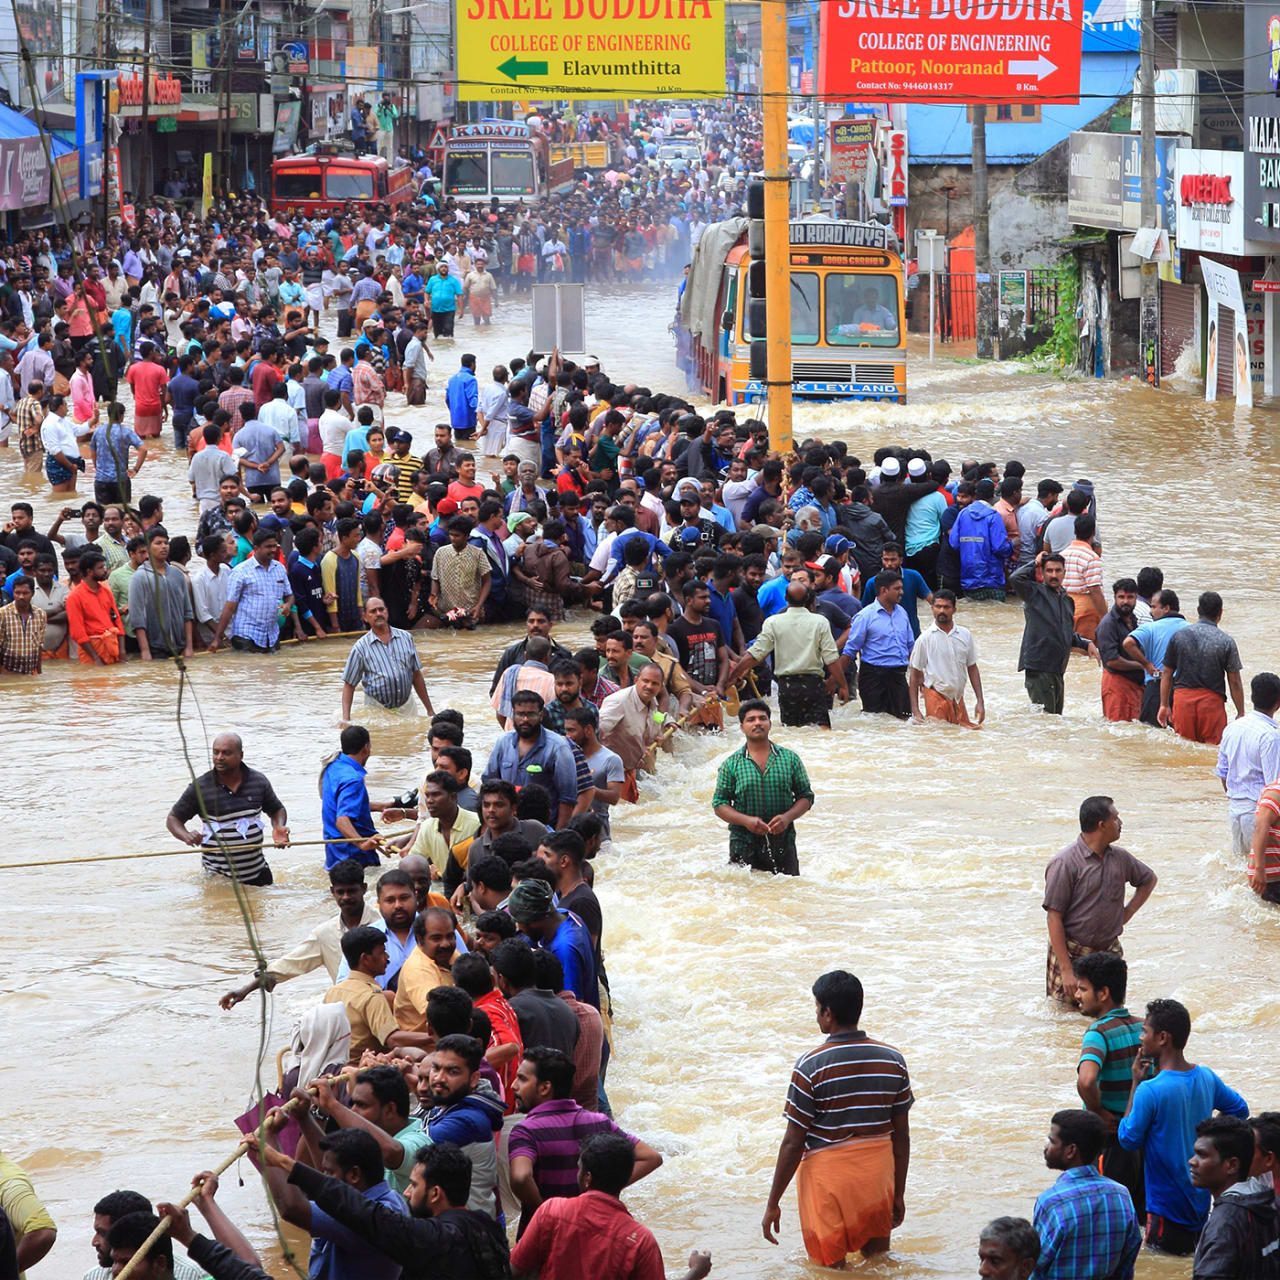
(450, 1091)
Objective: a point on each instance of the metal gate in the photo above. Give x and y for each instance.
(1178, 304)
(1226, 362)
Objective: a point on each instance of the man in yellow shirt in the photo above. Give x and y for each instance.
(426, 969)
(33, 1229)
(373, 1025)
(445, 825)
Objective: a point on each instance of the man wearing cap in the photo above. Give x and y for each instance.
(941, 660)
(923, 524)
(894, 498)
(827, 583)
(882, 634)
(532, 906)
(806, 662)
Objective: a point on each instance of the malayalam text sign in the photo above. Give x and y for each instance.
(951, 50)
(851, 139)
(590, 49)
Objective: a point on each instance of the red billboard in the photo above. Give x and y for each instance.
(950, 50)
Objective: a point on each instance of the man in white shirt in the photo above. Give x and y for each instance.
(209, 585)
(62, 460)
(282, 417)
(333, 427)
(941, 659)
(1249, 758)
(491, 413)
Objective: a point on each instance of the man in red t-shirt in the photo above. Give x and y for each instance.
(266, 373)
(148, 379)
(465, 485)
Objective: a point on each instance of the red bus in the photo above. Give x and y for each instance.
(326, 181)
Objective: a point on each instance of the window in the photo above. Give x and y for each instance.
(804, 309)
(348, 184)
(512, 171)
(297, 184)
(862, 310)
(466, 171)
(1009, 113)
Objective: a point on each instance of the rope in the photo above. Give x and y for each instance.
(173, 853)
(166, 1222)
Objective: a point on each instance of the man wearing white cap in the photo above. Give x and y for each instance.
(894, 498)
(924, 521)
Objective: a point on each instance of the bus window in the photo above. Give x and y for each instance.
(348, 184)
(297, 184)
(467, 171)
(862, 310)
(512, 169)
(805, 329)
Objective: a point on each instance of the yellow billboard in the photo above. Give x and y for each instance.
(522, 49)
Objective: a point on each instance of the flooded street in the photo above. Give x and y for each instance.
(922, 860)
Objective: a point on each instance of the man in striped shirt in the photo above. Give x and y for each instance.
(231, 798)
(1104, 1076)
(847, 1134)
(385, 660)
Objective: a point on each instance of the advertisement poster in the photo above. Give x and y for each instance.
(1223, 287)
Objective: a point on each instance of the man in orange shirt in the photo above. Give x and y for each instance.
(1007, 509)
(1083, 578)
(92, 616)
(1264, 856)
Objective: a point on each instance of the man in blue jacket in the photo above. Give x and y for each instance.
(462, 395)
(979, 536)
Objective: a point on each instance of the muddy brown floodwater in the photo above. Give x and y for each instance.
(923, 861)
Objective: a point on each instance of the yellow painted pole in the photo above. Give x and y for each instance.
(777, 201)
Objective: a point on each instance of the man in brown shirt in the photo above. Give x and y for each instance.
(1084, 895)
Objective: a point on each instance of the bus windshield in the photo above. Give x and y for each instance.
(297, 184)
(467, 171)
(512, 171)
(862, 310)
(348, 184)
(805, 330)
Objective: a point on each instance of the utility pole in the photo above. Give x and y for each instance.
(104, 43)
(815, 185)
(145, 122)
(1149, 327)
(220, 167)
(777, 230)
(984, 293)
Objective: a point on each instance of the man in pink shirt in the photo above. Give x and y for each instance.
(148, 379)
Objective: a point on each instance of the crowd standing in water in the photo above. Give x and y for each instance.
(452, 1084)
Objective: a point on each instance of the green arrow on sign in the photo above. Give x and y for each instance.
(513, 68)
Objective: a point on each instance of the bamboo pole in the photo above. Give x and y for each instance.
(166, 1222)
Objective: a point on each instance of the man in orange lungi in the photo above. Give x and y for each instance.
(92, 616)
(1200, 663)
(942, 659)
(1122, 676)
(847, 1134)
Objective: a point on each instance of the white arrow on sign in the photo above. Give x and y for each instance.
(1040, 68)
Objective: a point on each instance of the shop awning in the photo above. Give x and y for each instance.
(13, 124)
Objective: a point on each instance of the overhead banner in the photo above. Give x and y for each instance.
(590, 49)
(1104, 181)
(1262, 109)
(950, 50)
(24, 173)
(1210, 212)
(1222, 285)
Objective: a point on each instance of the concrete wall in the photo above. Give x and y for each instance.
(1028, 206)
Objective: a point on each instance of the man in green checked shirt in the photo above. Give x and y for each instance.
(761, 790)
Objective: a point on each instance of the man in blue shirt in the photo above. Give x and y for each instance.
(533, 908)
(462, 395)
(184, 390)
(530, 753)
(1147, 644)
(1087, 1225)
(881, 632)
(346, 813)
(443, 290)
(1164, 1110)
(983, 543)
(352, 1156)
(914, 586)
